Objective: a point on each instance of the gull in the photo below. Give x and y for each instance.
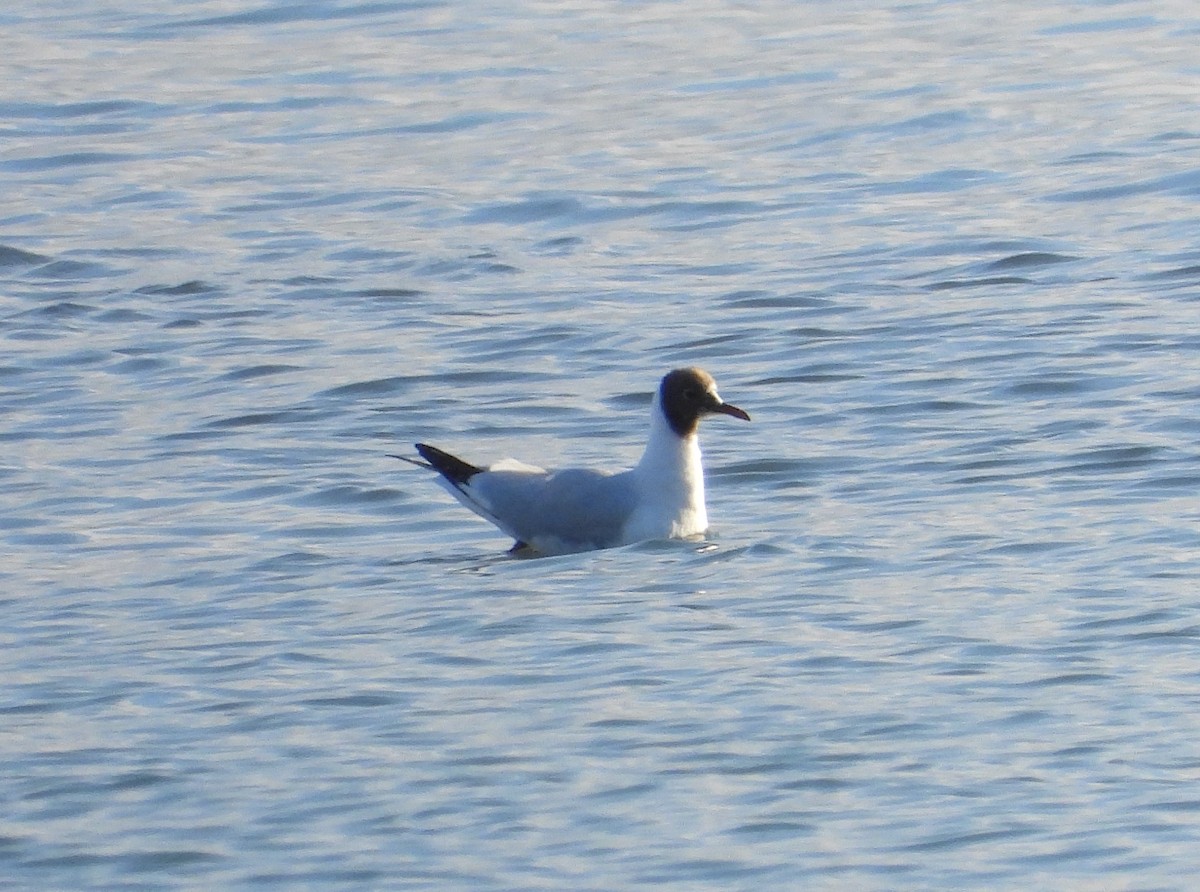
(579, 509)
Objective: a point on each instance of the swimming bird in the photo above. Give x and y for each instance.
(578, 509)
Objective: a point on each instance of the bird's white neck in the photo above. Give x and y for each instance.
(671, 467)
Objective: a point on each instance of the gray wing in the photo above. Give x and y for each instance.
(577, 508)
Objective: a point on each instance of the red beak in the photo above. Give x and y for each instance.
(730, 409)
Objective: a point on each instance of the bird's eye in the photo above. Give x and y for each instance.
(690, 395)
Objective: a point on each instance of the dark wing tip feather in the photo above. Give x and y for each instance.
(452, 468)
(411, 461)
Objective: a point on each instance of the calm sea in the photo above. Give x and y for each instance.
(946, 631)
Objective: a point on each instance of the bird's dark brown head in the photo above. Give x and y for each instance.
(687, 395)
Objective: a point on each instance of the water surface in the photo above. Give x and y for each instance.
(944, 633)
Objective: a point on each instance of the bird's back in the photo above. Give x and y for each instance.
(557, 511)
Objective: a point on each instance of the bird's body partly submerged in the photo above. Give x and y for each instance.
(576, 509)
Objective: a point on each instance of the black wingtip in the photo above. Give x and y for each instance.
(452, 468)
(411, 461)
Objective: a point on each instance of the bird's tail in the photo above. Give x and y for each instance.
(449, 466)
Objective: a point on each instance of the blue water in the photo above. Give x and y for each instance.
(945, 632)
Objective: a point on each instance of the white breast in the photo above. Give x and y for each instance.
(670, 487)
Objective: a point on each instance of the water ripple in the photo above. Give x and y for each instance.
(947, 261)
